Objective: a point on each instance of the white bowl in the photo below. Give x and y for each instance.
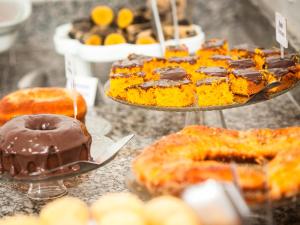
(12, 14)
(66, 46)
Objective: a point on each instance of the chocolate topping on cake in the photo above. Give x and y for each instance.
(41, 142)
(213, 71)
(171, 73)
(213, 43)
(163, 83)
(127, 64)
(249, 74)
(211, 80)
(277, 62)
(220, 57)
(241, 63)
(279, 72)
(244, 47)
(177, 48)
(127, 75)
(187, 59)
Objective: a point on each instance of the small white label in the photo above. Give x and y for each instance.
(87, 87)
(281, 36)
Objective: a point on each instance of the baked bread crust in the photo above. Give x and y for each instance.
(50, 100)
(267, 160)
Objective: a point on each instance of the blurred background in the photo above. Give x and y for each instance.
(239, 21)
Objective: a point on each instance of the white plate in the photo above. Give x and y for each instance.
(66, 46)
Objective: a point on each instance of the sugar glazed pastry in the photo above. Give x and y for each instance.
(42, 100)
(198, 153)
(215, 76)
(37, 143)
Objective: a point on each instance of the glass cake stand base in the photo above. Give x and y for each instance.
(46, 190)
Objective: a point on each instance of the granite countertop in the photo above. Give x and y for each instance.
(148, 126)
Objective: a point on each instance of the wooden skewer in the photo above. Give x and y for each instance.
(160, 34)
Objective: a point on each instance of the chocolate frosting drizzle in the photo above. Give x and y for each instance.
(213, 71)
(37, 143)
(249, 74)
(171, 73)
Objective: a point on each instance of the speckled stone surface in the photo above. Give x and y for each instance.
(146, 125)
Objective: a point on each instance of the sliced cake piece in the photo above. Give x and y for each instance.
(214, 91)
(246, 82)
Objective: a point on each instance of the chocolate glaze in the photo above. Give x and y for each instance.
(177, 48)
(277, 62)
(37, 143)
(163, 83)
(187, 59)
(279, 72)
(269, 52)
(213, 71)
(213, 43)
(220, 57)
(244, 47)
(127, 64)
(171, 73)
(211, 80)
(126, 75)
(249, 74)
(241, 63)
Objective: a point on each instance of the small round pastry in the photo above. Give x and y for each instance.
(41, 100)
(65, 211)
(122, 217)
(20, 219)
(36, 143)
(116, 201)
(167, 210)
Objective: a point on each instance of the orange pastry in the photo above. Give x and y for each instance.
(246, 82)
(213, 47)
(41, 101)
(176, 51)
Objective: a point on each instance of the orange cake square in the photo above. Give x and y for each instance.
(142, 94)
(213, 47)
(127, 66)
(120, 81)
(242, 51)
(246, 82)
(218, 60)
(176, 51)
(261, 54)
(214, 91)
(189, 63)
(284, 75)
(174, 93)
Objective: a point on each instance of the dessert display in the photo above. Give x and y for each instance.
(266, 161)
(215, 76)
(112, 209)
(105, 26)
(37, 143)
(42, 100)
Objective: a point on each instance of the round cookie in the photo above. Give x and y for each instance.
(67, 211)
(167, 210)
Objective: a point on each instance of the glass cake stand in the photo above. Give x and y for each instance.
(50, 184)
(195, 114)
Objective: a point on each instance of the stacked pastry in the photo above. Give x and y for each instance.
(111, 209)
(215, 76)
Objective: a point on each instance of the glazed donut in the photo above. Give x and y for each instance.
(34, 143)
(39, 101)
(266, 160)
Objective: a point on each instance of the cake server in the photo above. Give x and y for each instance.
(75, 168)
(261, 95)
